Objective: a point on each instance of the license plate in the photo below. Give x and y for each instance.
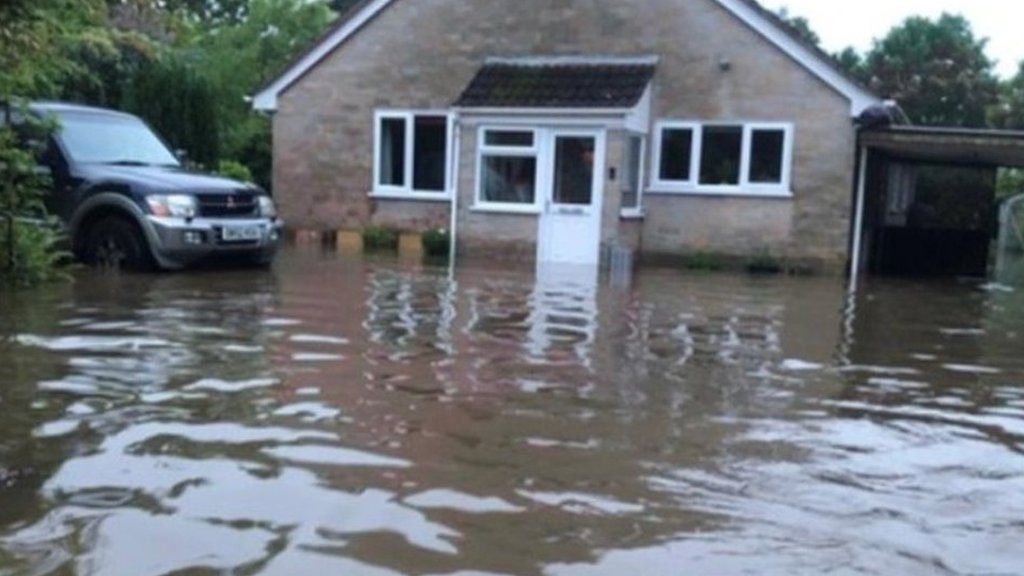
(240, 233)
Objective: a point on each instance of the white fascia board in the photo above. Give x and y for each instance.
(860, 98)
(266, 99)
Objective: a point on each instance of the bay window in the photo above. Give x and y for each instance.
(723, 157)
(412, 154)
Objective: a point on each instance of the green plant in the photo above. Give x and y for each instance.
(703, 261)
(764, 263)
(234, 170)
(437, 243)
(379, 238)
(28, 236)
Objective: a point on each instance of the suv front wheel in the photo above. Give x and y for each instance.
(114, 242)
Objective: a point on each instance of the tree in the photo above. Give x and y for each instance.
(1009, 113)
(800, 26)
(32, 35)
(851, 61)
(937, 70)
(240, 58)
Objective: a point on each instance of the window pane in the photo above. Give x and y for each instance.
(430, 145)
(574, 170)
(392, 152)
(520, 139)
(509, 179)
(632, 159)
(676, 154)
(721, 149)
(766, 156)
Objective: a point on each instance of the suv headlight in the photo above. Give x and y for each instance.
(172, 205)
(267, 207)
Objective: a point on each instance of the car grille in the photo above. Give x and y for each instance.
(228, 205)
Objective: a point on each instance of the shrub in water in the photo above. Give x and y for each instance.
(765, 263)
(437, 243)
(380, 238)
(703, 261)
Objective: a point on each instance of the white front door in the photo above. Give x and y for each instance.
(570, 224)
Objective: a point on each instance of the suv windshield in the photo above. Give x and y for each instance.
(108, 139)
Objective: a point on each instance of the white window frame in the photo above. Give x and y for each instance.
(480, 204)
(745, 187)
(641, 184)
(406, 191)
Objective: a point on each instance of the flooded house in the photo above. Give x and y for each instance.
(556, 131)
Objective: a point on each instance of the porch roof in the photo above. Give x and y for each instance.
(1004, 148)
(559, 82)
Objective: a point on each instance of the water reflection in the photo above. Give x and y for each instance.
(368, 417)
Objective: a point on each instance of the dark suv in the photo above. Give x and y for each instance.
(128, 202)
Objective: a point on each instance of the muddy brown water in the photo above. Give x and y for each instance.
(341, 416)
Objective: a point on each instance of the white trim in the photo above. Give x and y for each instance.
(266, 99)
(418, 196)
(733, 192)
(406, 190)
(860, 99)
(745, 187)
(577, 60)
(499, 111)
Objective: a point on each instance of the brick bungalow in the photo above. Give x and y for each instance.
(554, 129)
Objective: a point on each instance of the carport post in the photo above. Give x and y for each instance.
(858, 218)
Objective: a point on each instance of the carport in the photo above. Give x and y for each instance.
(925, 199)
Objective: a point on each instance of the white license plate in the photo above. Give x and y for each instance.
(240, 233)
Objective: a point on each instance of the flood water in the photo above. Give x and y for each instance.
(341, 416)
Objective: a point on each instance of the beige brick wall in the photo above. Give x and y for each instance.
(422, 53)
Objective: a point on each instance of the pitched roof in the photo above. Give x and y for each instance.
(750, 12)
(558, 83)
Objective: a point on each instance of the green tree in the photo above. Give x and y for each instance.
(800, 26)
(240, 58)
(180, 103)
(1009, 113)
(33, 34)
(937, 70)
(851, 61)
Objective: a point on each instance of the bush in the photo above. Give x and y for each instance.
(378, 238)
(703, 261)
(764, 263)
(28, 237)
(437, 243)
(34, 257)
(234, 170)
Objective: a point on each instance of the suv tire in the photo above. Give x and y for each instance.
(117, 243)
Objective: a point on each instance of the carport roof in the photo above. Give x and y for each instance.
(949, 145)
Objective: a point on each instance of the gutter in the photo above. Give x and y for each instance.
(454, 171)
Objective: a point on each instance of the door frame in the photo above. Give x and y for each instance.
(548, 216)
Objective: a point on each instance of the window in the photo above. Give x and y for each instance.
(507, 165)
(721, 155)
(723, 158)
(633, 174)
(677, 150)
(412, 154)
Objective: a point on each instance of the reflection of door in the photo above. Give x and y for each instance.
(570, 226)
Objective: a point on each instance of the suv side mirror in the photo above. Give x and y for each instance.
(181, 154)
